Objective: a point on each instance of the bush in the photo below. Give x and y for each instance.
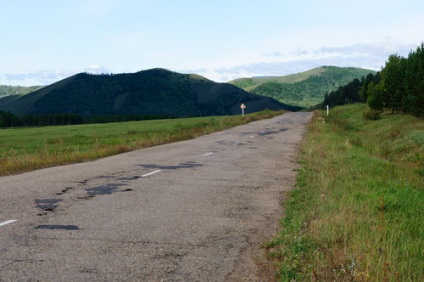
(372, 115)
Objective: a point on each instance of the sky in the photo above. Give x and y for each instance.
(45, 41)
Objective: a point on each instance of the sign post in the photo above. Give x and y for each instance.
(242, 106)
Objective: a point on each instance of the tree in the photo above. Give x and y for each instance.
(8, 119)
(418, 99)
(414, 82)
(392, 78)
(375, 97)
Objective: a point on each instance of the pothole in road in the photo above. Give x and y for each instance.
(128, 178)
(58, 227)
(64, 191)
(264, 133)
(107, 189)
(248, 133)
(229, 143)
(181, 165)
(47, 204)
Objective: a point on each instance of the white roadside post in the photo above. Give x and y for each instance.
(328, 109)
(242, 106)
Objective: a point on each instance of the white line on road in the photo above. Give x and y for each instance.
(207, 154)
(150, 173)
(7, 222)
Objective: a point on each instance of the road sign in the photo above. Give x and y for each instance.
(242, 106)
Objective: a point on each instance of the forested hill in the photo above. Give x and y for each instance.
(6, 90)
(155, 92)
(304, 89)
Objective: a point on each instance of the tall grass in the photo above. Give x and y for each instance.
(24, 149)
(357, 212)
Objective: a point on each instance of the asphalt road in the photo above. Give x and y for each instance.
(196, 210)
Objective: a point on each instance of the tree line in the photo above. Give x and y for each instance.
(398, 87)
(8, 119)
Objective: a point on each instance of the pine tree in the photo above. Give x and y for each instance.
(375, 97)
(392, 78)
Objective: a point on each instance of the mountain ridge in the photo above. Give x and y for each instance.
(149, 92)
(304, 89)
(8, 90)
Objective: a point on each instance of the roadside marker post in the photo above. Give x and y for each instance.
(328, 110)
(242, 106)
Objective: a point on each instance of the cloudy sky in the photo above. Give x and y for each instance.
(44, 41)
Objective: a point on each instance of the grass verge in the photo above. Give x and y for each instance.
(25, 149)
(356, 213)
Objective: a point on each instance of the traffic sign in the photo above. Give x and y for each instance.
(242, 107)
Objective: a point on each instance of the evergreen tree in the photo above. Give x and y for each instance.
(375, 98)
(403, 83)
(414, 82)
(8, 119)
(392, 78)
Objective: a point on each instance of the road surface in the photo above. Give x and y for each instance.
(195, 210)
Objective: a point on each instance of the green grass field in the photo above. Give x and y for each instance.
(355, 215)
(25, 149)
(357, 212)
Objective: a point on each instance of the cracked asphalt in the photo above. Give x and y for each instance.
(195, 210)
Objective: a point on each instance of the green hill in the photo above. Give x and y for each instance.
(302, 89)
(6, 90)
(145, 93)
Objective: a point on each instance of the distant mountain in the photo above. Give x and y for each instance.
(150, 92)
(303, 89)
(6, 90)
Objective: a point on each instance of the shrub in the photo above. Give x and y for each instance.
(372, 114)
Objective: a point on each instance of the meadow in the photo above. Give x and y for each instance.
(25, 149)
(356, 213)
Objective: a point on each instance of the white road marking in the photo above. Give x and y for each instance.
(207, 154)
(150, 173)
(7, 222)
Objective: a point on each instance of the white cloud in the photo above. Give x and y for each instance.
(247, 63)
(46, 77)
(40, 77)
(282, 62)
(95, 69)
